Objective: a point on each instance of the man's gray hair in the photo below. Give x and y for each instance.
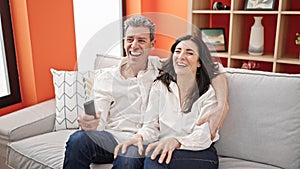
(140, 21)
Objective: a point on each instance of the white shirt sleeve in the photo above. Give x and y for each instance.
(103, 97)
(150, 129)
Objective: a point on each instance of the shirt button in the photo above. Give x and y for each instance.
(139, 125)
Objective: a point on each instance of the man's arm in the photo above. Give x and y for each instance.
(217, 115)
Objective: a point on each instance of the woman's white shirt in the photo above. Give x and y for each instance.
(164, 118)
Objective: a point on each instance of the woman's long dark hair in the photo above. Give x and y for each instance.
(205, 73)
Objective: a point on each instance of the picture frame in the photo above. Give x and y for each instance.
(259, 4)
(214, 38)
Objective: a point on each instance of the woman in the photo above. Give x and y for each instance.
(181, 94)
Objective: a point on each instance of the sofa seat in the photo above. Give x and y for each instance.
(46, 151)
(42, 151)
(233, 163)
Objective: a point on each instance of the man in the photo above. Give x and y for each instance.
(121, 97)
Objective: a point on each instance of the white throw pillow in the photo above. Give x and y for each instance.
(69, 95)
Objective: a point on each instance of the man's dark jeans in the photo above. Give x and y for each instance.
(86, 147)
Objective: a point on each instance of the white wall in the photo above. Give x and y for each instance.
(4, 82)
(98, 29)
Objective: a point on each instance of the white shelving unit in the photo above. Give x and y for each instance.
(281, 24)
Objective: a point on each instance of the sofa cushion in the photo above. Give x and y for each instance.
(234, 163)
(88, 83)
(72, 90)
(263, 122)
(27, 122)
(88, 88)
(43, 151)
(69, 96)
(106, 61)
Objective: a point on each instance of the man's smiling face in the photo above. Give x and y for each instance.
(137, 44)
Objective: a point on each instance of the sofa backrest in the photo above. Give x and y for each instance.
(263, 122)
(106, 61)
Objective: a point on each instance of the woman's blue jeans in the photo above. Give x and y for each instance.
(186, 159)
(86, 147)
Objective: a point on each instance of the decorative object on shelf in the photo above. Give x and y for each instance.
(214, 38)
(259, 4)
(256, 41)
(297, 41)
(219, 6)
(250, 65)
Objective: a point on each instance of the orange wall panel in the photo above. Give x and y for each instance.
(171, 22)
(44, 38)
(133, 7)
(53, 41)
(21, 31)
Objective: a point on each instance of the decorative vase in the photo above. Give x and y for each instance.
(256, 41)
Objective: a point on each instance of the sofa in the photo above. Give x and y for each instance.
(261, 130)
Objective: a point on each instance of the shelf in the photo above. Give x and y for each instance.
(290, 13)
(255, 12)
(289, 61)
(263, 58)
(210, 12)
(281, 24)
(220, 54)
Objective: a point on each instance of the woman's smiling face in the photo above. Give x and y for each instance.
(186, 58)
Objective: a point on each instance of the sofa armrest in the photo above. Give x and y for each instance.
(27, 122)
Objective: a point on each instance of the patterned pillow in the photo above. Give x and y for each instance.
(70, 96)
(88, 88)
(89, 82)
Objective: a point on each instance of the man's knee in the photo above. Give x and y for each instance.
(131, 152)
(130, 159)
(77, 138)
(128, 162)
